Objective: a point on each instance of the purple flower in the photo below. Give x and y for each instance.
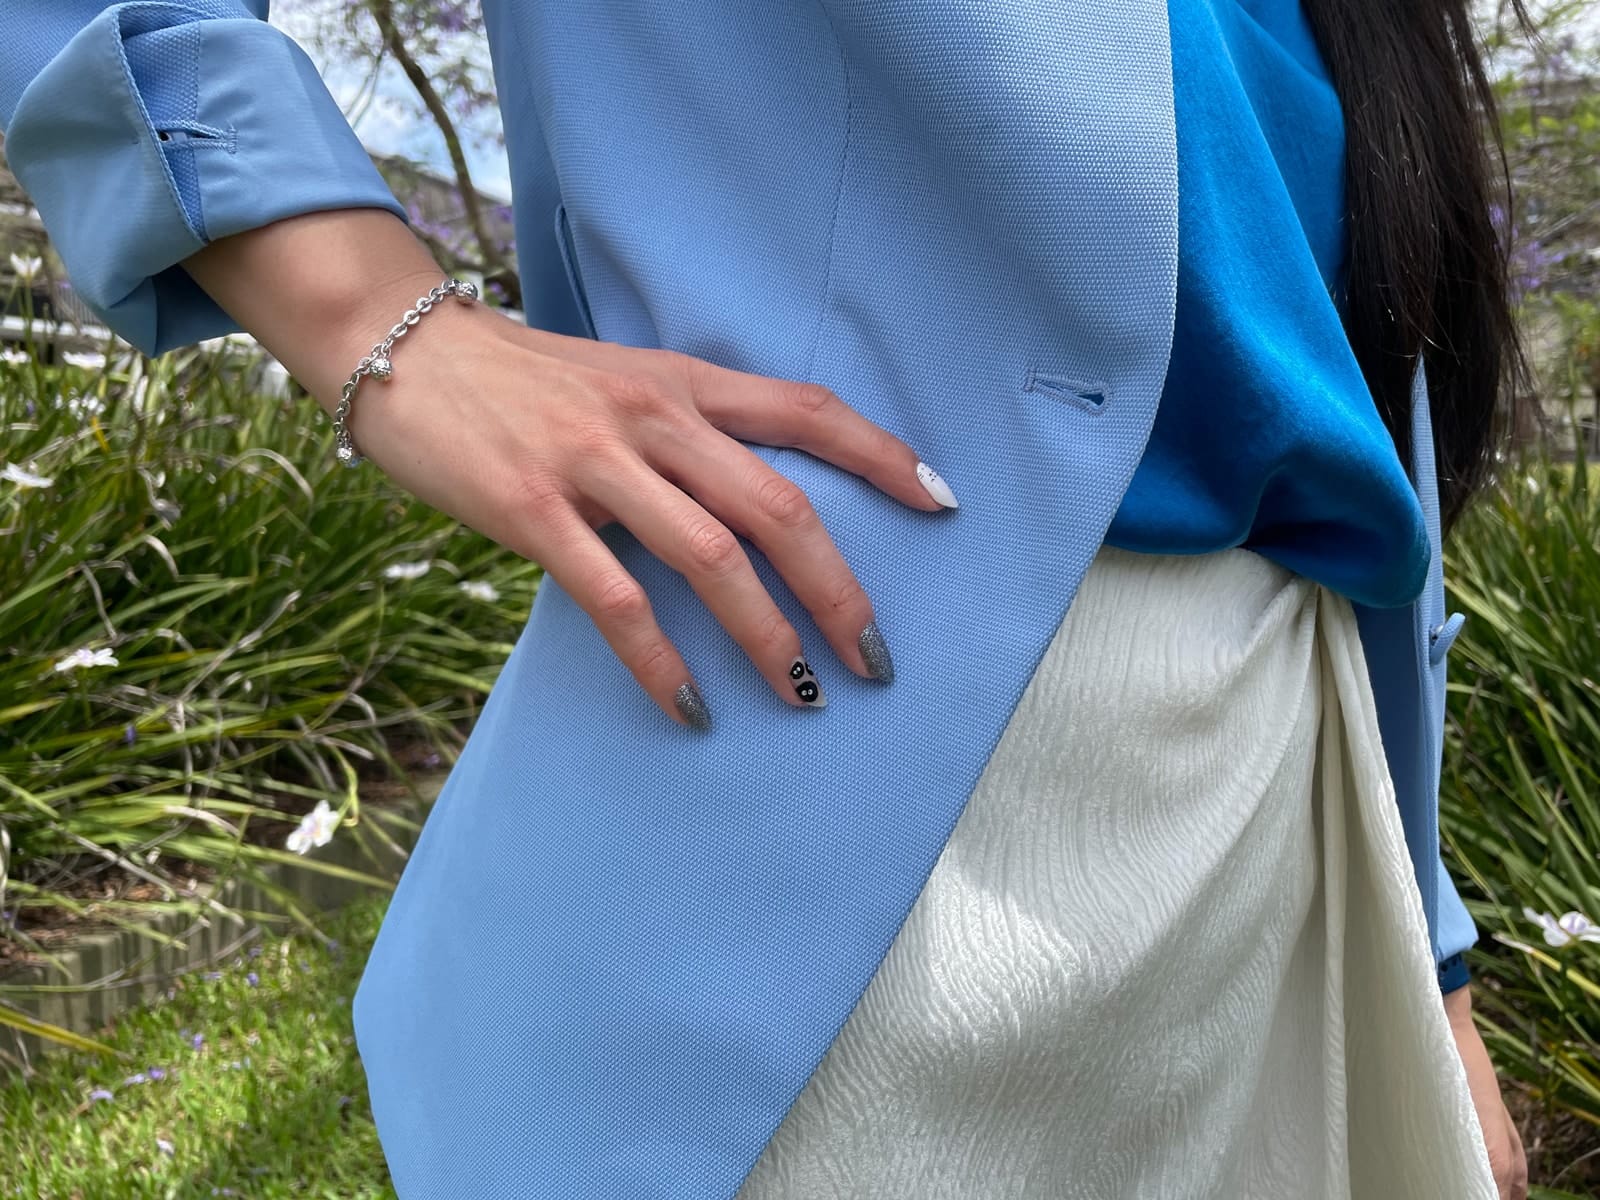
(211, 976)
(99, 1094)
(156, 1073)
(198, 1040)
(141, 1077)
(255, 951)
(164, 1146)
(252, 979)
(129, 734)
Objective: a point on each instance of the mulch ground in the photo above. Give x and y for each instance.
(90, 881)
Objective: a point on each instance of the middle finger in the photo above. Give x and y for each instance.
(774, 512)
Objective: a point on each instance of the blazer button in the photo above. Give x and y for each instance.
(1441, 636)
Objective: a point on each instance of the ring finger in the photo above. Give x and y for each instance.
(677, 530)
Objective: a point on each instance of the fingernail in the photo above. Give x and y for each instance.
(692, 706)
(875, 653)
(806, 685)
(936, 487)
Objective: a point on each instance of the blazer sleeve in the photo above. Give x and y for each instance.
(143, 131)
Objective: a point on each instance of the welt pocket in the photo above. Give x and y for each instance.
(569, 261)
(192, 135)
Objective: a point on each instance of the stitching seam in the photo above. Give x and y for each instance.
(838, 192)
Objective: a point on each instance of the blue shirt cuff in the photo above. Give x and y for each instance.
(1453, 973)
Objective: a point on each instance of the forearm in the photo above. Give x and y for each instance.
(318, 290)
(1458, 1007)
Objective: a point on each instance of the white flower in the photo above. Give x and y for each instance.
(26, 268)
(84, 657)
(12, 473)
(90, 362)
(13, 358)
(479, 590)
(315, 829)
(1569, 926)
(84, 406)
(1531, 484)
(412, 570)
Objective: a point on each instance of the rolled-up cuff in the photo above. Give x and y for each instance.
(154, 132)
(1456, 932)
(1453, 973)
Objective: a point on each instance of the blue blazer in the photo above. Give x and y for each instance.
(620, 949)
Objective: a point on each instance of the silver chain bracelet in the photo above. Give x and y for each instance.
(378, 365)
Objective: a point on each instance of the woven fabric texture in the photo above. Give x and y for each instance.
(1170, 951)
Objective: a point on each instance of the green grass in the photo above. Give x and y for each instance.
(271, 1104)
(200, 532)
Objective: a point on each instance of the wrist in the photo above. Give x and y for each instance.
(320, 289)
(1458, 1007)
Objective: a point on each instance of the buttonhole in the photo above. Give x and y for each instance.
(1091, 397)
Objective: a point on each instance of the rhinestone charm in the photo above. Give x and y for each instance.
(377, 364)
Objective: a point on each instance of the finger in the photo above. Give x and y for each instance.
(1519, 1161)
(773, 512)
(681, 533)
(810, 417)
(575, 557)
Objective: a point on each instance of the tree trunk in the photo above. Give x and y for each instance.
(383, 12)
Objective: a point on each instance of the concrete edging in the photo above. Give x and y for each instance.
(130, 970)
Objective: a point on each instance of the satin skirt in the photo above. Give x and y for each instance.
(1173, 947)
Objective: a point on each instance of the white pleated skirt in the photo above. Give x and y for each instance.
(1173, 948)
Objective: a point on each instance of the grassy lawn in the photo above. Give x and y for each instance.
(244, 1082)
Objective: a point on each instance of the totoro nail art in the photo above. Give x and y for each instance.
(805, 684)
(936, 487)
(875, 653)
(692, 706)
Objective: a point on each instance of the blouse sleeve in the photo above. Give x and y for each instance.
(143, 131)
(1457, 933)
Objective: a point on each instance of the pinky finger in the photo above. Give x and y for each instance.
(575, 557)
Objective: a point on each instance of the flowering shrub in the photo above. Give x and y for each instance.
(210, 629)
(1520, 803)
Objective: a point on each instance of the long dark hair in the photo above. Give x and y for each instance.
(1427, 266)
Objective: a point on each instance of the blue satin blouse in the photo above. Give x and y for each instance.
(1267, 435)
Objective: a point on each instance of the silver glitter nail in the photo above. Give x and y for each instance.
(692, 706)
(875, 653)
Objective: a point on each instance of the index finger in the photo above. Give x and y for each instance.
(812, 417)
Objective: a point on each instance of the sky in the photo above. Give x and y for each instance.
(389, 124)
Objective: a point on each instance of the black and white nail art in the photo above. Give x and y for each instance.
(806, 685)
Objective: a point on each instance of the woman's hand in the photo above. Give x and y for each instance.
(536, 440)
(1506, 1156)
